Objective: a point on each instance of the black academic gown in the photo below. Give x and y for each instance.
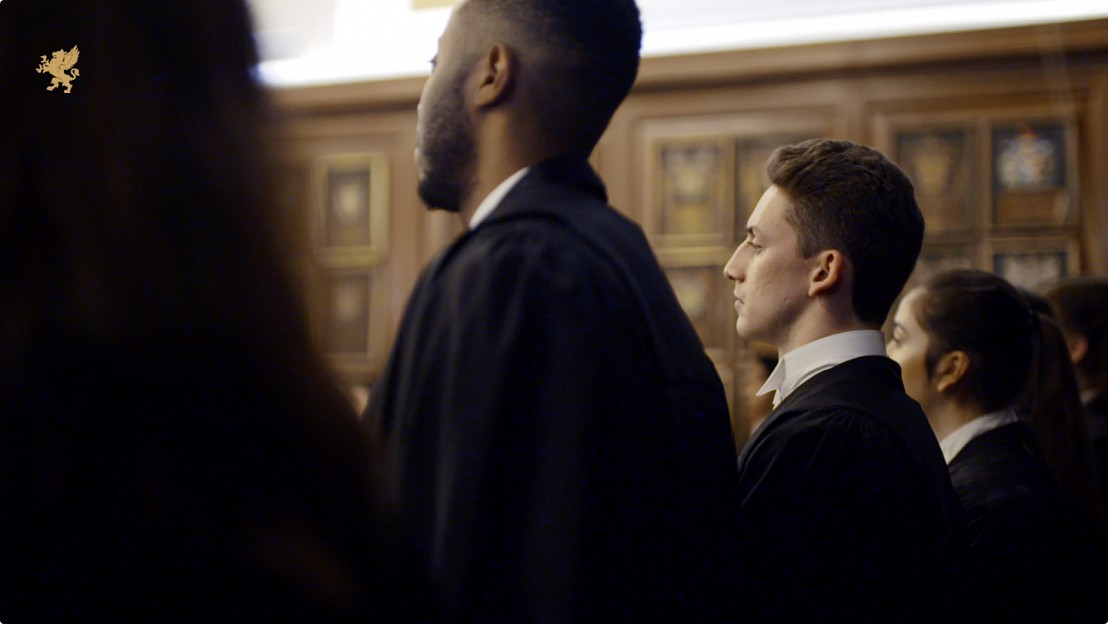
(847, 514)
(1030, 559)
(1096, 417)
(561, 441)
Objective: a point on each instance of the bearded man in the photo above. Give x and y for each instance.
(560, 440)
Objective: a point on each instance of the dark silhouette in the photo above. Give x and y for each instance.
(171, 446)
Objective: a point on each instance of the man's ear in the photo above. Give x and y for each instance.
(950, 369)
(497, 72)
(831, 263)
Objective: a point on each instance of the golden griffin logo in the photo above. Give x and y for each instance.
(59, 63)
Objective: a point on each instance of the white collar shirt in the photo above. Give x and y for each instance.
(493, 199)
(802, 363)
(960, 437)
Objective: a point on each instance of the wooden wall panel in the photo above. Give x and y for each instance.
(1094, 243)
(865, 91)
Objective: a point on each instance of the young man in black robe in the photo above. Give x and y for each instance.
(847, 511)
(561, 441)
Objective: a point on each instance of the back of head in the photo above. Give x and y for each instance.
(851, 198)
(1081, 306)
(984, 316)
(585, 54)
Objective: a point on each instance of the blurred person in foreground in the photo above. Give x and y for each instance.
(847, 512)
(1080, 305)
(171, 446)
(561, 439)
(994, 379)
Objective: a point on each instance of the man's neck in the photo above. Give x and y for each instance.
(805, 333)
(494, 198)
(489, 173)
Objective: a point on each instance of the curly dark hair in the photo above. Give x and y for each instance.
(592, 54)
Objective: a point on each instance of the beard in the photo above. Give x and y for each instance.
(447, 152)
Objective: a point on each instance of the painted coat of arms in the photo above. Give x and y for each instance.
(59, 63)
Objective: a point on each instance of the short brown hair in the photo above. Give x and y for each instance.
(851, 198)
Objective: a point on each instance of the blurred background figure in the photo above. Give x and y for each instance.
(171, 446)
(1081, 307)
(967, 343)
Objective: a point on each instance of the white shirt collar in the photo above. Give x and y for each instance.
(957, 440)
(493, 199)
(802, 363)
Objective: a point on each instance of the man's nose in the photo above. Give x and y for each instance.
(733, 269)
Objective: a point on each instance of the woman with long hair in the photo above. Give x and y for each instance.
(996, 385)
(1081, 306)
(172, 447)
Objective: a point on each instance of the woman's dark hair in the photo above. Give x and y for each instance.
(1018, 357)
(982, 315)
